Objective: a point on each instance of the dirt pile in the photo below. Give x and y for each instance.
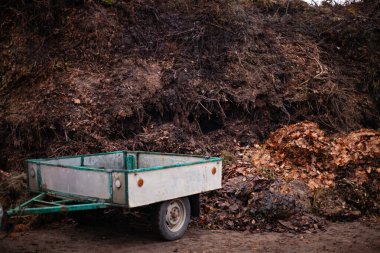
(86, 76)
(12, 189)
(298, 171)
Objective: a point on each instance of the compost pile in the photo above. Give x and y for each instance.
(210, 78)
(12, 189)
(298, 173)
(86, 76)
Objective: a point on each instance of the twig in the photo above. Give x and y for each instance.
(204, 108)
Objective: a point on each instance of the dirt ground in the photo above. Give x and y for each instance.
(338, 237)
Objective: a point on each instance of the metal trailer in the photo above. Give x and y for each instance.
(123, 179)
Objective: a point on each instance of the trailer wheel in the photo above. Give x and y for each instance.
(172, 218)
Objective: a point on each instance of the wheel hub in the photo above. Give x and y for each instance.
(175, 215)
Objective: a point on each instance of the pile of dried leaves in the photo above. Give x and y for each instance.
(298, 173)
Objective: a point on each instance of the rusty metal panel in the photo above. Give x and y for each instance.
(118, 188)
(159, 185)
(72, 161)
(93, 184)
(153, 160)
(109, 161)
(32, 177)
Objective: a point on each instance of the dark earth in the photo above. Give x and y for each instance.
(339, 237)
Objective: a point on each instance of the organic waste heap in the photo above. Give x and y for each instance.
(296, 177)
(204, 77)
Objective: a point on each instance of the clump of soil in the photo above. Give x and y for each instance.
(12, 189)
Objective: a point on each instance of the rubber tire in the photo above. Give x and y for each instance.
(160, 224)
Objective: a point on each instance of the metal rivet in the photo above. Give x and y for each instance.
(140, 182)
(117, 183)
(213, 171)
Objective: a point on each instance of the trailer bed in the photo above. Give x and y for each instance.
(125, 178)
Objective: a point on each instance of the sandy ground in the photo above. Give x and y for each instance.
(338, 237)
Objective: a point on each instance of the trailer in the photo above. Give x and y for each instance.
(126, 179)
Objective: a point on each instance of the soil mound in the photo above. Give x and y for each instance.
(86, 76)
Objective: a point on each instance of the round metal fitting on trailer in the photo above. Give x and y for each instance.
(32, 173)
(117, 183)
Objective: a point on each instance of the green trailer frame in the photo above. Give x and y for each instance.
(56, 204)
(51, 200)
(123, 179)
